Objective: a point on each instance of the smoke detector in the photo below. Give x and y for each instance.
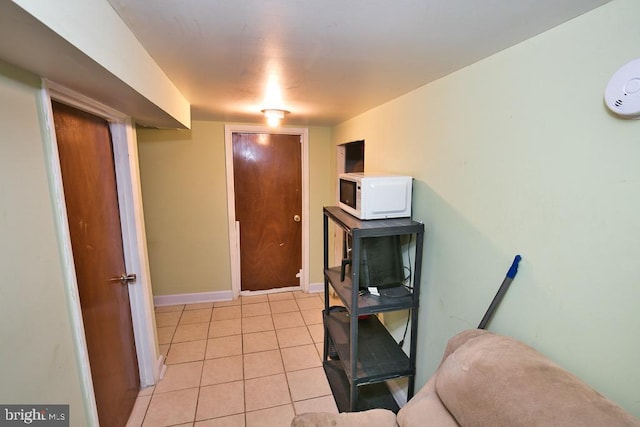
(622, 94)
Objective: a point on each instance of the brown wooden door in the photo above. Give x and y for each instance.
(88, 176)
(267, 175)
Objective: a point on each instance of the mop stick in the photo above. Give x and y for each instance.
(513, 270)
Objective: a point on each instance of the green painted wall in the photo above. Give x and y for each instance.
(518, 154)
(184, 193)
(185, 201)
(322, 189)
(39, 365)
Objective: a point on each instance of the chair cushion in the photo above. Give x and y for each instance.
(425, 410)
(494, 381)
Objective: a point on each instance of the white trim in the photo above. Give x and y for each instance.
(67, 96)
(192, 298)
(234, 240)
(133, 232)
(125, 153)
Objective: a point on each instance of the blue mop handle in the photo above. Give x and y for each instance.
(513, 270)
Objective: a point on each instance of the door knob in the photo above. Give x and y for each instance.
(296, 218)
(124, 279)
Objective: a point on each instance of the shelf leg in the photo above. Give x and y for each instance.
(411, 387)
(354, 398)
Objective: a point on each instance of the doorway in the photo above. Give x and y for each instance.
(122, 129)
(268, 224)
(89, 180)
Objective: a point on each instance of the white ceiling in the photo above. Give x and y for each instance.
(333, 59)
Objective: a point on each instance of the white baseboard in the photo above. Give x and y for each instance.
(313, 288)
(316, 287)
(192, 298)
(216, 296)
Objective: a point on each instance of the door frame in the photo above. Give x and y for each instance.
(234, 227)
(125, 152)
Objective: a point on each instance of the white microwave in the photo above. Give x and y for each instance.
(375, 196)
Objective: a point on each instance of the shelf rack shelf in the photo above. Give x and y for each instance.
(365, 353)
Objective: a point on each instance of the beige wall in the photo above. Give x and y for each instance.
(517, 154)
(184, 196)
(321, 193)
(185, 201)
(37, 352)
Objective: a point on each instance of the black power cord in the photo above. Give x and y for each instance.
(406, 328)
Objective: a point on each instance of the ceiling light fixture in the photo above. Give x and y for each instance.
(274, 116)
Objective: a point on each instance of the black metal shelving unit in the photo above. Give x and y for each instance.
(367, 353)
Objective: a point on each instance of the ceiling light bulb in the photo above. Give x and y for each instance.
(274, 116)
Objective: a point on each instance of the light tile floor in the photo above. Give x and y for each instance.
(255, 361)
